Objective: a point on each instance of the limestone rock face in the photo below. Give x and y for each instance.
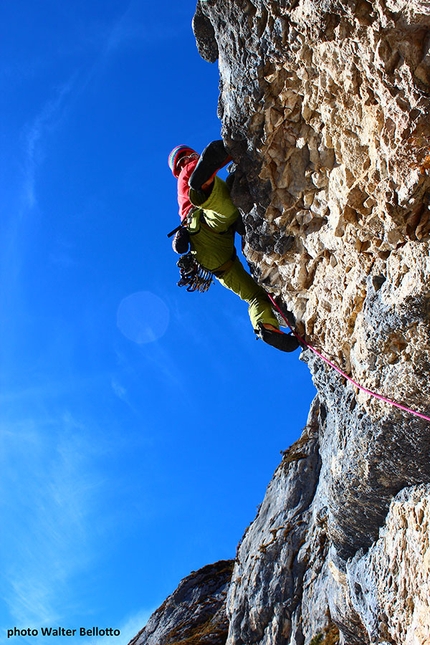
(266, 592)
(324, 107)
(390, 583)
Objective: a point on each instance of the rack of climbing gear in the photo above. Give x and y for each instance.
(193, 276)
(304, 343)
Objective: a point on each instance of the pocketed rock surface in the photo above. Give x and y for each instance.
(324, 107)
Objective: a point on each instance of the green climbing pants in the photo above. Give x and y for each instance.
(212, 242)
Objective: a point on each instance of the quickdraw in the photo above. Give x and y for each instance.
(193, 276)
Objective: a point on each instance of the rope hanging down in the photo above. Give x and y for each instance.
(348, 378)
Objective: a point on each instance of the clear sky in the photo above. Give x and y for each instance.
(140, 424)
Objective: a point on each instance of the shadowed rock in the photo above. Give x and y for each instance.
(195, 613)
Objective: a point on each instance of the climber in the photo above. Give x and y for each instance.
(208, 218)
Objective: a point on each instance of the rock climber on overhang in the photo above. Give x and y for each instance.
(205, 238)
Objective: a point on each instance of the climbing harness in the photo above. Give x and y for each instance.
(303, 342)
(193, 275)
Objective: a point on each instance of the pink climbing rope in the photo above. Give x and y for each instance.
(348, 378)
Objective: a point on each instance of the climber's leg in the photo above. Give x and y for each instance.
(219, 211)
(260, 311)
(211, 249)
(259, 307)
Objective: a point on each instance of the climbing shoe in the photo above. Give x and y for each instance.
(213, 158)
(283, 342)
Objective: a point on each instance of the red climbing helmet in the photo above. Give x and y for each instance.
(176, 155)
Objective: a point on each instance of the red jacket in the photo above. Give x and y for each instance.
(185, 206)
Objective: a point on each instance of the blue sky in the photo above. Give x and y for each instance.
(140, 424)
